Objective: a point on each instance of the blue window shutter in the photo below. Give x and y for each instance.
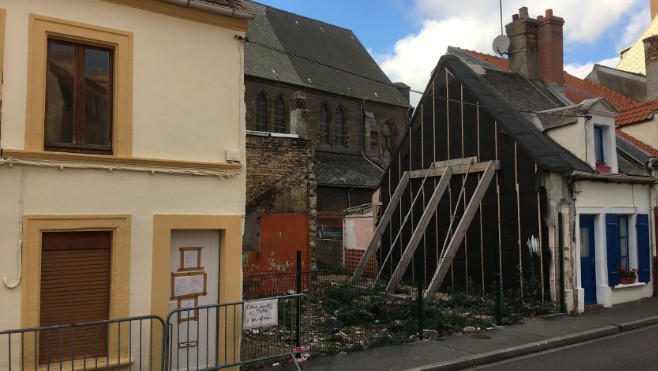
(643, 250)
(612, 246)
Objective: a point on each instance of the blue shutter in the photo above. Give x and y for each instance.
(612, 246)
(643, 249)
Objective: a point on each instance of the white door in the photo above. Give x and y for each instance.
(194, 255)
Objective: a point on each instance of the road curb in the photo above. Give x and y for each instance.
(535, 347)
(632, 325)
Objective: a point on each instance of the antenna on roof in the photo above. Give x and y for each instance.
(501, 44)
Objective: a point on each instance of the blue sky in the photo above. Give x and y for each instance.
(407, 37)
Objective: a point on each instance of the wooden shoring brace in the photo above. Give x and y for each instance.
(448, 255)
(410, 249)
(373, 246)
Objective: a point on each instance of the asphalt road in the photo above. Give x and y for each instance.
(633, 350)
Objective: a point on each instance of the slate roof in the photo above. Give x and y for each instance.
(345, 170)
(637, 113)
(293, 49)
(576, 89)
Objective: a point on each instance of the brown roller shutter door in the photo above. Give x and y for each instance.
(75, 287)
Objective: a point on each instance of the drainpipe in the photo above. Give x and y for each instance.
(232, 12)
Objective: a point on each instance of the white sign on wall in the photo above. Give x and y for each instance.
(260, 313)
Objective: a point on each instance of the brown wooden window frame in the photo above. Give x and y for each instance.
(78, 145)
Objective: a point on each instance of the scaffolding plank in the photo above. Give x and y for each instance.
(373, 246)
(438, 169)
(410, 249)
(448, 255)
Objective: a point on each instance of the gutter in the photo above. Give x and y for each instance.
(203, 5)
(581, 175)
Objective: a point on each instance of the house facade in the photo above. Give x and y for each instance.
(538, 186)
(336, 106)
(110, 163)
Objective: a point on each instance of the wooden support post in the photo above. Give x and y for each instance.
(419, 231)
(447, 256)
(373, 246)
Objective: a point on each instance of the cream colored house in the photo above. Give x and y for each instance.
(122, 141)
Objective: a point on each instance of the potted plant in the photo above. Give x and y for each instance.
(602, 167)
(627, 276)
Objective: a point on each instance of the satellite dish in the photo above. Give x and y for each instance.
(501, 44)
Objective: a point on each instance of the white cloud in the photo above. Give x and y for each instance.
(634, 28)
(582, 70)
(473, 24)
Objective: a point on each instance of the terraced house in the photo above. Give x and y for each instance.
(122, 151)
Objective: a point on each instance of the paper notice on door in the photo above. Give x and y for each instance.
(188, 284)
(190, 258)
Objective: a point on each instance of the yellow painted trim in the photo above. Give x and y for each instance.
(191, 14)
(64, 157)
(40, 29)
(35, 225)
(230, 267)
(3, 19)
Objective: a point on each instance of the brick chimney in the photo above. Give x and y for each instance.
(651, 61)
(522, 32)
(551, 48)
(654, 8)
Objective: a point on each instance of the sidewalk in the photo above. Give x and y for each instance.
(467, 350)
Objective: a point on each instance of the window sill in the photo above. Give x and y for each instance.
(622, 286)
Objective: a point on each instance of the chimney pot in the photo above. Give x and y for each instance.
(515, 17)
(540, 18)
(523, 12)
(549, 13)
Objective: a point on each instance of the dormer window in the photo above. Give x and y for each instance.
(603, 153)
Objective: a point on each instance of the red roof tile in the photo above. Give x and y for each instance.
(589, 89)
(497, 62)
(638, 143)
(637, 113)
(576, 89)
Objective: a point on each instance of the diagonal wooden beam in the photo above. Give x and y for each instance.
(373, 246)
(410, 249)
(448, 255)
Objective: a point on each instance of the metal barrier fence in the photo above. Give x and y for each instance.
(111, 344)
(204, 337)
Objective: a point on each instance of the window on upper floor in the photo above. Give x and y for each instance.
(341, 126)
(599, 144)
(261, 112)
(79, 98)
(279, 115)
(624, 251)
(324, 124)
(79, 90)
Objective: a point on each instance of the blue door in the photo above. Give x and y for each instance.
(587, 268)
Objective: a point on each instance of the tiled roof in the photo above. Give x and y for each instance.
(637, 113)
(233, 4)
(296, 50)
(638, 143)
(496, 62)
(345, 170)
(577, 90)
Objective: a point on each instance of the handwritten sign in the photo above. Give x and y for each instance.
(260, 313)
